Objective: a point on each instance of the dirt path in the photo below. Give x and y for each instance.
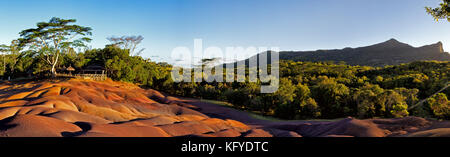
(223, 112)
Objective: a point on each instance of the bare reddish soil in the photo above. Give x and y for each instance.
(82, 108)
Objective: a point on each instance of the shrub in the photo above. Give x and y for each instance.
(438, 104)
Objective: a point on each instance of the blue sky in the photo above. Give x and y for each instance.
(288, 24)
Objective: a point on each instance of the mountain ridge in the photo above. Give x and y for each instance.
(390, 52)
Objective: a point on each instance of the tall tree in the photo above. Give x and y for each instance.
(11, 54)
(53, 38)
(4, 50)
(128, 42)
(441, 12)
(330, 96)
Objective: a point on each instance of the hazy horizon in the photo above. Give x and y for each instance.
(291, 25)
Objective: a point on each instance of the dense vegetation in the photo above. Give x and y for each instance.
(307, 89)
(326, 90)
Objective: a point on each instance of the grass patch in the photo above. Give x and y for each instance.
(252, 114)
(220, 103)
(260, 116)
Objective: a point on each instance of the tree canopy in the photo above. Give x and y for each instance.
(52, 38)
(128, 42)
(441, 12)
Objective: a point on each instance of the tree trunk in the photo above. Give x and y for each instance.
(54, 66)
(54, 70)
(4, 64)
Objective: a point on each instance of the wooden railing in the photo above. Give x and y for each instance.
(96, 77)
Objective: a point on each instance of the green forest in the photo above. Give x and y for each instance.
(308, 90)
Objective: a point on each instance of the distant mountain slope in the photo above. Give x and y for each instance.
(391, 52)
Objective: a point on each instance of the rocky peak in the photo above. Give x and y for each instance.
(440, 46)
(392, 43)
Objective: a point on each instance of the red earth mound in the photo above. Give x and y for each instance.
(83, 108)
(108, 109)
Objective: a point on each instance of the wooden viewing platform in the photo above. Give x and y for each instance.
(92, 72)
(95, 77)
